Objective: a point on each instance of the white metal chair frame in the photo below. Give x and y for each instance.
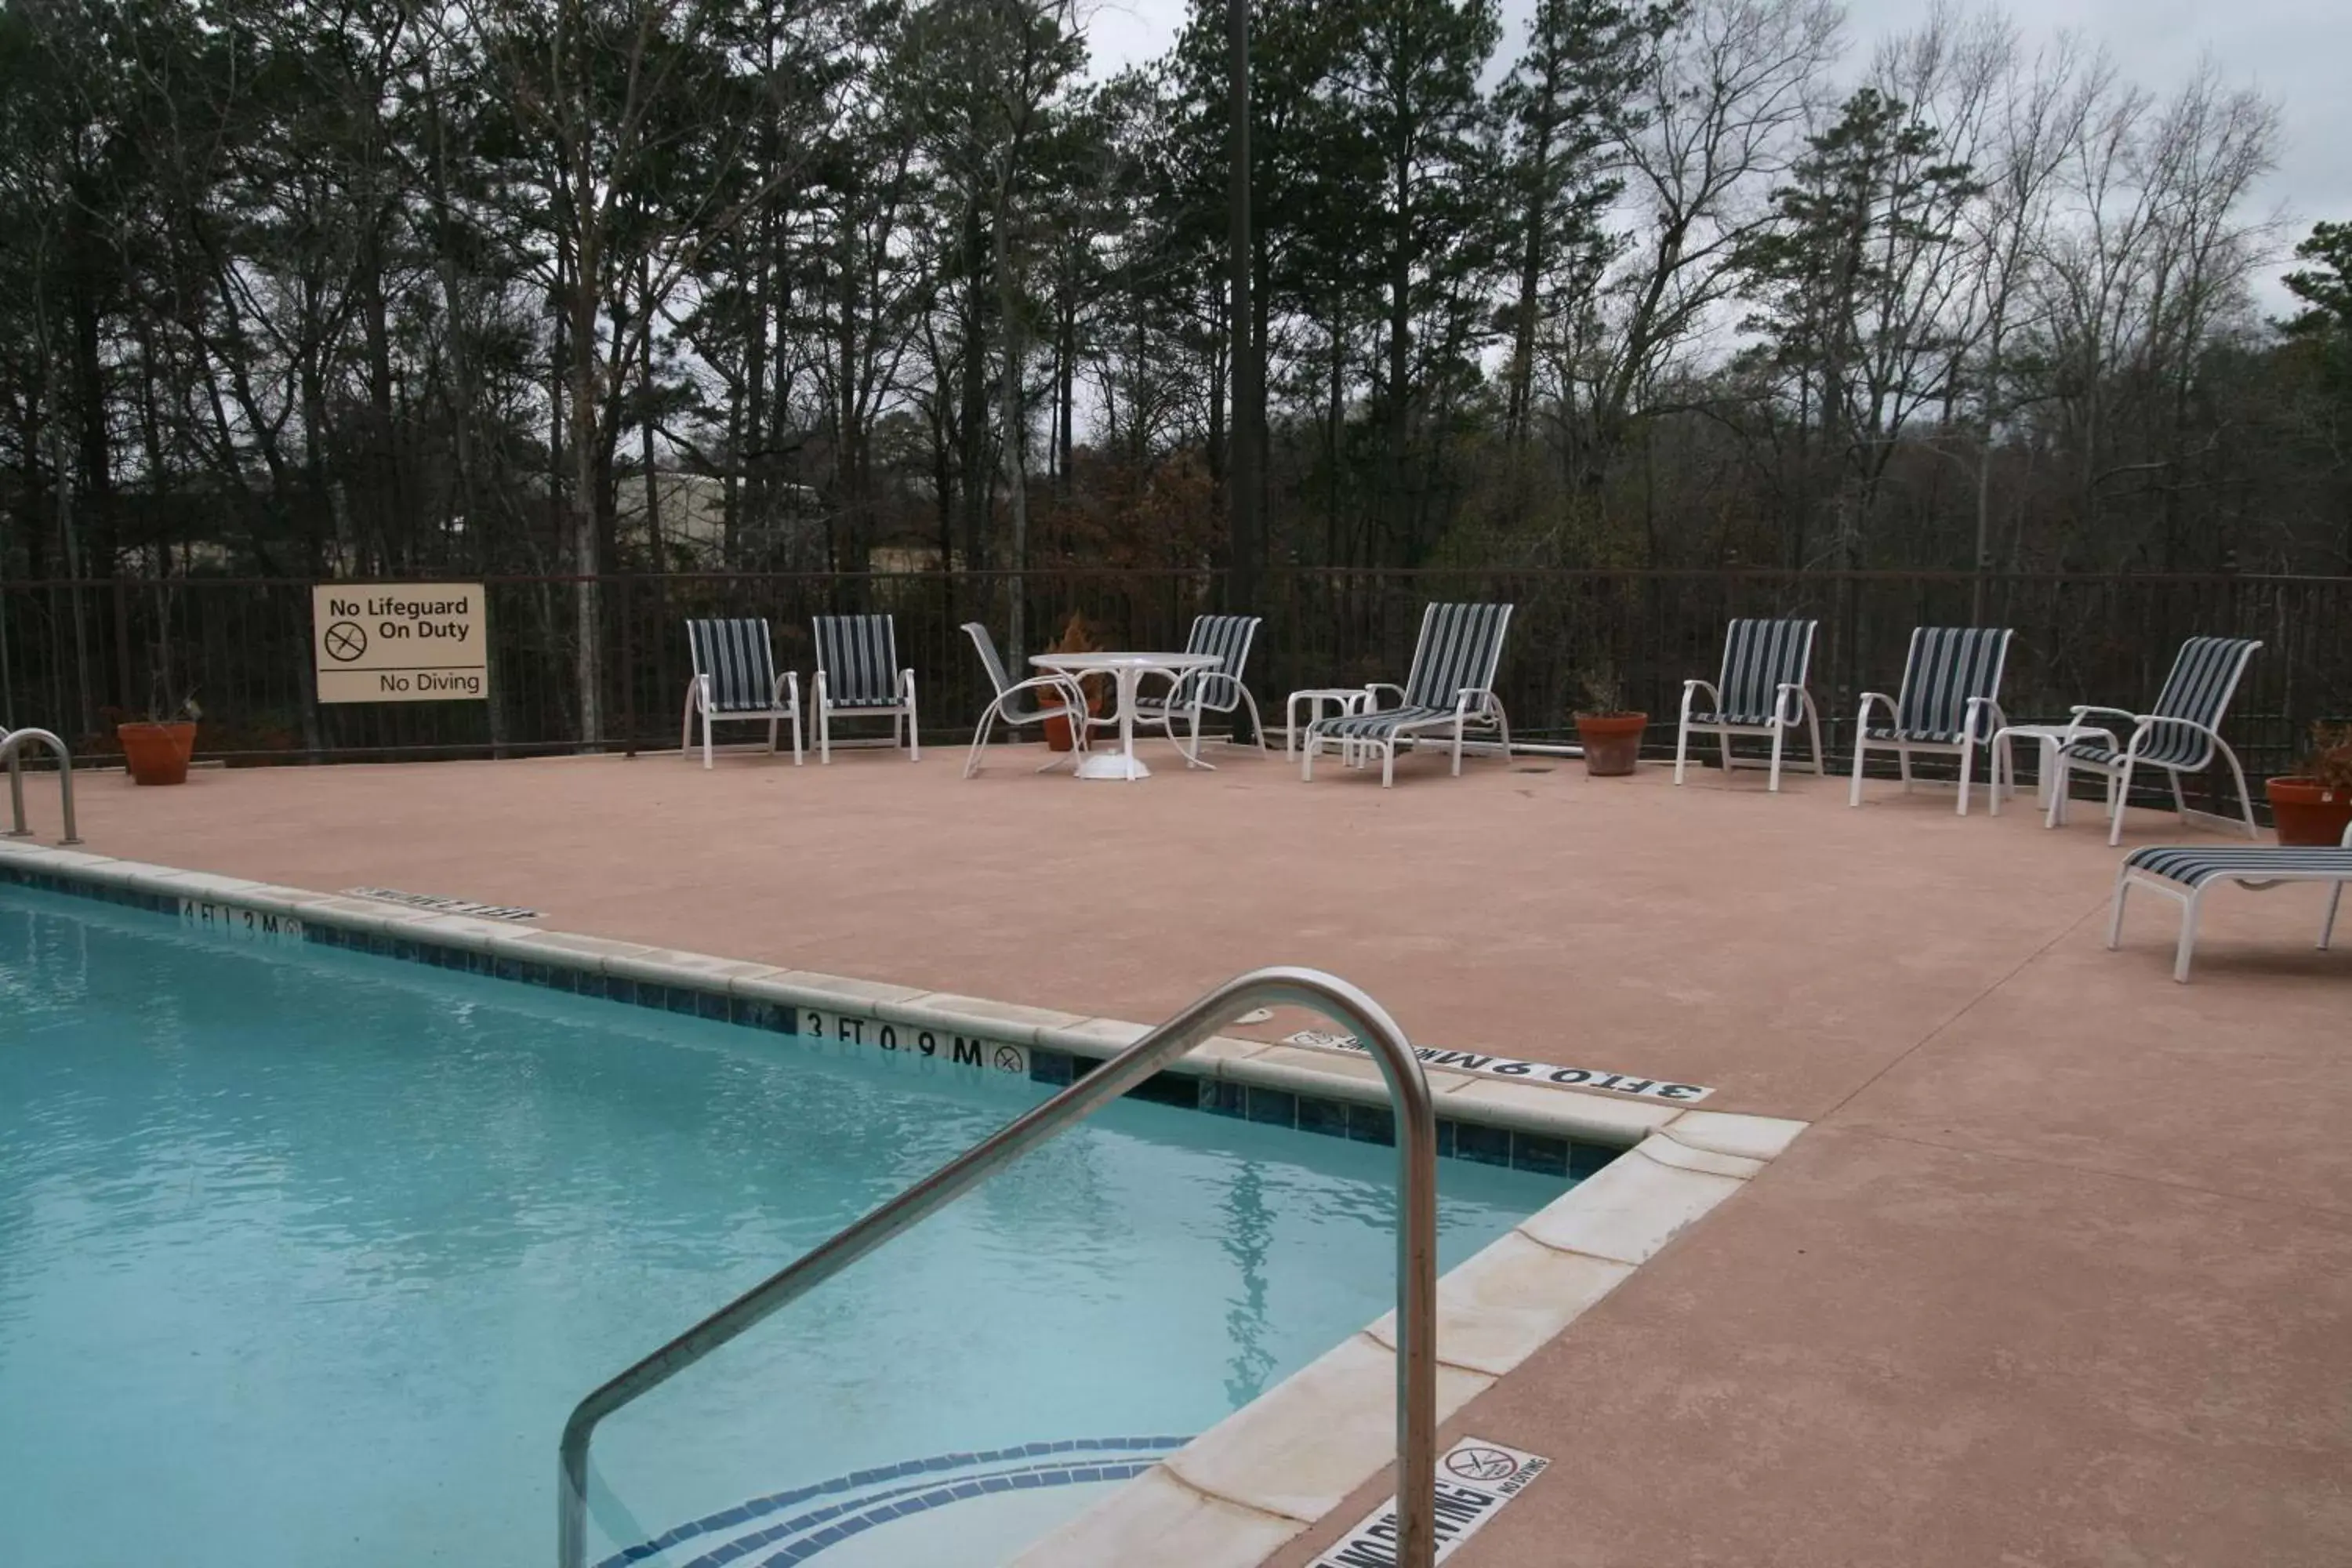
(1981, 719)
(900, 709)
(702, 698)
(1792, 701)
(2190, 895)
(1187, 694)
(1474, 705)
(1073, 696)
(2145, 725)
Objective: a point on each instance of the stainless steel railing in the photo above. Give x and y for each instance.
(11, 744)
(1416, 1308)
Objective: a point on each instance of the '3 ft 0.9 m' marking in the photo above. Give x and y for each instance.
(926, 1044)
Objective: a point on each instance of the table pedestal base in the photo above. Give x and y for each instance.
(1113, 765)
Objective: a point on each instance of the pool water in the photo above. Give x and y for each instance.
(305, 1255)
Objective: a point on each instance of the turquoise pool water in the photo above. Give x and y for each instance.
(304, 1256)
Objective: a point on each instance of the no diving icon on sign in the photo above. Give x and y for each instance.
(344, 641)
(1475, 1480)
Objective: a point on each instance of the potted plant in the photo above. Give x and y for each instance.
(1609, 733)
(156, 749)
(2312, 806)
(1076, 636)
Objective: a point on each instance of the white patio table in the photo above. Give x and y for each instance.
(1128, 669)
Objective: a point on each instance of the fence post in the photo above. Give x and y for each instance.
(128, 683)
(628, 585)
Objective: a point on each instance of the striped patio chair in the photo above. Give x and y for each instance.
(1449, 689)
(2183, 872)
(1761, 692)
(1209, 690)
(2181, 735)
(734, 681)
(857, 677)
(1071, 700)
(1948, 704)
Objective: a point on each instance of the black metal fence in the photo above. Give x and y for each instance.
(77, 656)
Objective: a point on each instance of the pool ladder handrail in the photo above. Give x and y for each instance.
(11, 744)
(1416, 1288)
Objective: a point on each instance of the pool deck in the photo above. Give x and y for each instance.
(2062, 1273)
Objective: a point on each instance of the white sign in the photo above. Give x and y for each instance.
(400, 642)
(1475, 1480)
(1513, 1070)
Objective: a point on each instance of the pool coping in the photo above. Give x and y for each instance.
(1272, 1468)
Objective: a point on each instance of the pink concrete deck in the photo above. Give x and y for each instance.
(2062, 1274)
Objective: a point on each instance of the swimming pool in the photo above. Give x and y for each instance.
(305, 1253)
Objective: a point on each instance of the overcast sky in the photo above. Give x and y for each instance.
(2296, 51)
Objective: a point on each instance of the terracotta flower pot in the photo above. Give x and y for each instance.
(1612, 742)
(2307, 811)
(1057, 724)
(158, 753)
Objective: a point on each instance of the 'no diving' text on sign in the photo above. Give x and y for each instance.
(403, 642)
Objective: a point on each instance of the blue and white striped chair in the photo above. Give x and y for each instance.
(1449, 689)
(1948, 705)
(1208, 690)
(1761, 692)
(857, 677)
(735, 680)
(2181, 735)
(2183, 872)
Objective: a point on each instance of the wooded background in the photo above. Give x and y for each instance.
(573, 287)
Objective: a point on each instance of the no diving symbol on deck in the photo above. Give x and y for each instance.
(1482, 1464)
(1008, 1059)
(344, 641)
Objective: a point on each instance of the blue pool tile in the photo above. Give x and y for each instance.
(1275, 1107)
(620, 988)
(1223, 1098)
(1050, 1066)
(1481, 1145)
(1587, 1159)
(995, 1484)
(1444, 1139)
(1328, 1116)
(685, 999)
(1539, 1153)
(712, 1004)
(1371, 1124)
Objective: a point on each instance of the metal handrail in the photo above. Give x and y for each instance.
(1417, 1307)
(10, 743)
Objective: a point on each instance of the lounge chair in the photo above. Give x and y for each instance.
(1761, 692)
(1948, 704)
(2180, 735)
(2183, 871)
(1004, 706)
(735, 680)
(1208, 690)
(1449, 689)
(857, 677)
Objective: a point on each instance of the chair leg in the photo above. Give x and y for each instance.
(1388, 761)
(1778, 733)
(2059, 785)
(795, 718)
(2119, 795)
(824, 735)
(1968, 770)
(1682, 747)
(2187, 946)
(1813, 727)
(1903, 766)
(706, 739)
(914, 731)
(2245, 800)
(2115, 911)
(980, 737)
(1258, 730)
(2327, 922)
(2179, 799)
(1457, 745)
(1306, 755)
(685, 726)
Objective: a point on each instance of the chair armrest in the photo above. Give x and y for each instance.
(1463, 702)
(1781, 700)
(1692, 686)
(1372, 690)
(2145, 722)
(1995, 721)
(1884, 700)
(2083, 709)
(788, 685)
